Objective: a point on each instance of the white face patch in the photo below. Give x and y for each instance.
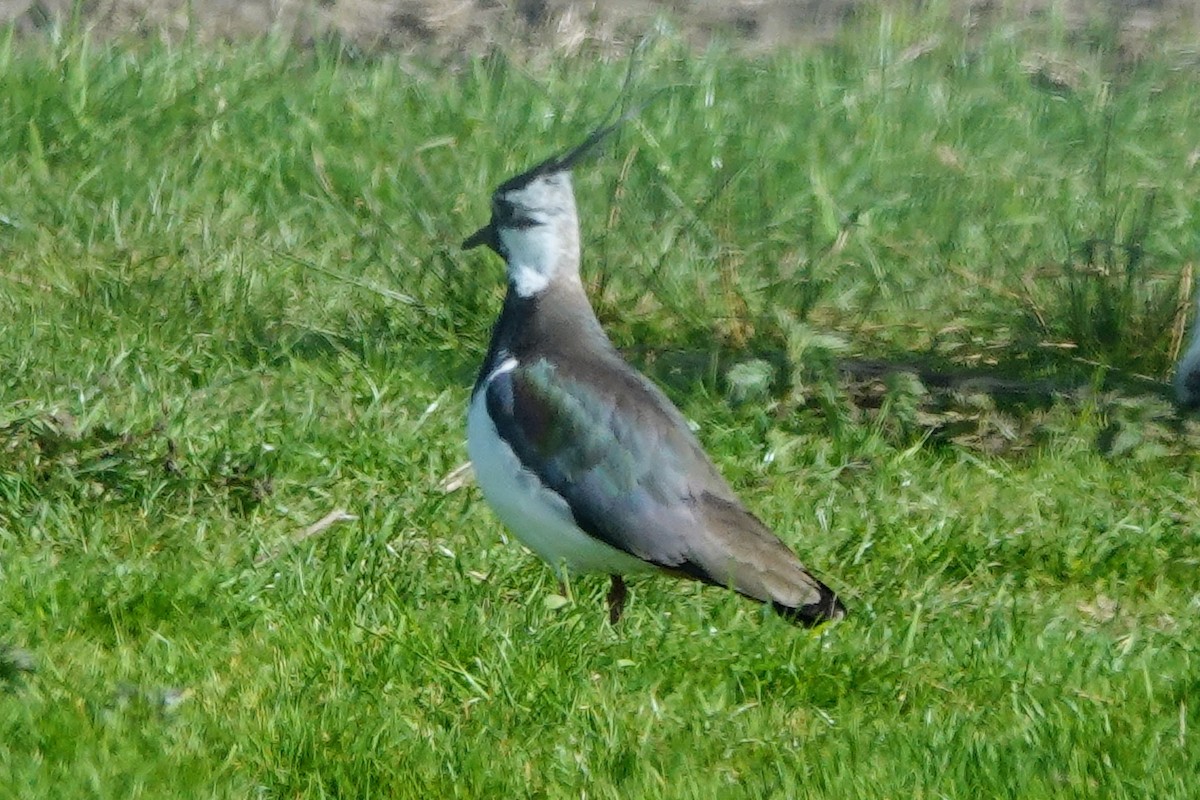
(534, 254)
(544, 236)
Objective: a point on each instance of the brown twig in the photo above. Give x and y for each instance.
(320, 526)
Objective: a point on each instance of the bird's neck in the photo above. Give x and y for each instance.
(555, 322)
(540, 256)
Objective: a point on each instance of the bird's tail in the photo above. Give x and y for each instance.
(825, 608)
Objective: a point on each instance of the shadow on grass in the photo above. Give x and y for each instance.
(1007, 383)
(1005, 409)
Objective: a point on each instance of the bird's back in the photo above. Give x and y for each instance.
(632, 470)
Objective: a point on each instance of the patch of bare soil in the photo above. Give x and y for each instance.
(465, 26)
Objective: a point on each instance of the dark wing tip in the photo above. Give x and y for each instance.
(828, 607)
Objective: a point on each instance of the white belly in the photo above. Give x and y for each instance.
(540, 518)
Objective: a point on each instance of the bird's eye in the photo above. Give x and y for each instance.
(502, 209)
(508, 214)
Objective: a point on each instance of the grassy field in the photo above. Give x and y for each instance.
(233, 303)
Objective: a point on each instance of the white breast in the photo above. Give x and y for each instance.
(540, 518)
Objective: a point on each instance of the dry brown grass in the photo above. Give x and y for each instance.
(457, 26)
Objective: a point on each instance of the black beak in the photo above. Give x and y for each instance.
(485, 235)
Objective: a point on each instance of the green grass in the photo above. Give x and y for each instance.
(232, 302)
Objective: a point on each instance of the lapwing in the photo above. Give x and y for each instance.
(581, 456)
(1187, 371)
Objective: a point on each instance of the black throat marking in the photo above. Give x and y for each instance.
(507, 340)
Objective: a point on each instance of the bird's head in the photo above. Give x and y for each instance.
(534, 227)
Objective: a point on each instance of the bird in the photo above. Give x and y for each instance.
(581, 456)
(1187, 371)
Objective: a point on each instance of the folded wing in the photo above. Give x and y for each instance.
(636, 478)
